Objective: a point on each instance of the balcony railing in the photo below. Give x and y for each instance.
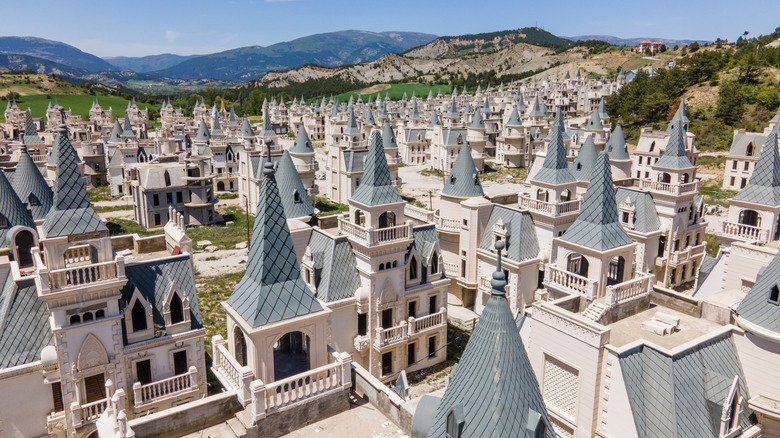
(39, 158)
(374, 236)
(165, 389)
(314, 165)
(746, 232)
(312, 191)
(674, 189)
(551, 208)
(394, 161)
(569, 281)
(389, 336)
(451, 269)
(678, 257)
(641, 285)
(428, 322)
(81, 276)
(411, 327)
(484, 284)
(418, 213)
(444, 223)
(87, 413)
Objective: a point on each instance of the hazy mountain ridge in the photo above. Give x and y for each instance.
(55, 51)
(326, 49)
(146, 64)
(633, 41)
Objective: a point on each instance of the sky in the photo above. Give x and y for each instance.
(147, 27)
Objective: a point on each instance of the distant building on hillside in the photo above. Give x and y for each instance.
(653, 47)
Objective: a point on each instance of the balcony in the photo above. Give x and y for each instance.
(394, 161)
(744, 232)
(310, 167)
(451, 270)
(411, 327)
(87, 413)
(418, 213)
(550, 208)
(672, 189)
(445, 224)
(374, 236)
(361, 342)
(570, 282)
(640, 285)
(74, 277)
(484, 284)
(680, 257)
(39, 158)
(166, 389)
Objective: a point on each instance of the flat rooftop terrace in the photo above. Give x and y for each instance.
(630, 329)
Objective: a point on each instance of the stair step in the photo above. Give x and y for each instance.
(237, 427)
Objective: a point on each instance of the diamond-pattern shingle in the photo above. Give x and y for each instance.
(31, 187)
(521, 241)
(376, 187)
(555, 168)
(758, 306)
(597, 226)
(335, 269)
(763, 187)
(71, 213)
(292, 192)
(493, 383)
(24, 322)
(616, 145)
(30, 136)
(463, 180)
(12, 210)
(674, 155)
(272, 289)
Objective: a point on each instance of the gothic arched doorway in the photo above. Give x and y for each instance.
(291, 355)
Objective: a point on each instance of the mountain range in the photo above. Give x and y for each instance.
(633, 41)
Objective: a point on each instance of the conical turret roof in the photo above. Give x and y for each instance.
(477, 122)
(246, 128)
(597, 225)
(674, 155)
(616, 145)
(272, 288)
(352, 126)
(31, 187)
(493, 389)
(763, 187)
(514, 118)
(12, 210)
(302, 143)
(128, 129)
(30, 133)
(376, 188)
(453, 109)
(586, 160)
(216, 128)
(388, 137)
(268, 129)
(434, 119)
(536, 110)
(594, 123)
(203, 132)
(116, 132)
(71, 212)
(463, 180)
(555, 168)
(292, 192)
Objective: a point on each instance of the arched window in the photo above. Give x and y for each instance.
(167, 177)
(434, 263)
(749, 151)
(460, 139)
(297, 197)
(88, 317)
(100, 314)
(177, 309)
(413, 268)
(138, 315)
(381, 266)
(75, 319)
(395, 263)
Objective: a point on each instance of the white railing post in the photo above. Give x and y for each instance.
(75, 411)
(193, 377)
(257, 390)
(137, 397)
(412, 326)
(244, 390)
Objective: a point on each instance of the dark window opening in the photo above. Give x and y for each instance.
(387, 363)
(177, 309)
(180, 362)
(143, 371)
(431, 347)
(387, 318)
(411, 351)
(138, 315)
(362, 324)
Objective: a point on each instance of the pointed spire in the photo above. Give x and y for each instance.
(377, 186)
(246, 129)
(268, 129)
(616, 145)
(71, 212)
(116, 132)
(272, 288)
(463, 180)
(31, 187)
(594, 123)
(674, 156)
(586, 160)
(486, 106)
(520, 101)
(514, 118)
(477, 122)
(453, 109)
(415, 112)
(555, 169)
(216, 128)
(598, 226)
(434, 119)
(30, 133)
(12, 210)
(368, 118)
(203, 132)
(292, 192)
(302, 143)
(763, 187)
(388, 137)
(232, 120)
(603, 108)
(352, 126)
(128, 132)
(493, 391)
(537, 109)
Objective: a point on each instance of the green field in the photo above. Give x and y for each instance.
(78, 104)
(396, 91)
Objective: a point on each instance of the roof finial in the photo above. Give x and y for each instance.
(268, 166)
(499, 280)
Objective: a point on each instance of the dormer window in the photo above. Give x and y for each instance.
(749, 151)
(33, 201)
(167, 177)
(138, 315)
(652, 146)
(460, 139)
(455, 422)
(177, 310)
(297, 197)
(774, 295)
(3, 221)
(413, 268)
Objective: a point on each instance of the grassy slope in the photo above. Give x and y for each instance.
(396, 91)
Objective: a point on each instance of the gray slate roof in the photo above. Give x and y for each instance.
(757, 306)
(763, 187)
(128, 129)
(463, 180)
(154, 278)
(376, 187)
(24, 322)
(434, 119)
(116, 132)
(352, 126)
(594, 123)
(30, 133)
(289, 182)
(521, 242)
(583, 164)
(246, 128)
(216, 128)
(682, 396)
(536, 110)
(477, 122)
(268, 129)
(426, 240)
(739, 144)
(335, 269)
(71, 213)
(514, 118)
(272, 289)
(616, 145)
(555, 168)
(12, 209)
(493, 384)
(674, 155)
(31, 187)
(597, 226)
(388, 137)
(302, 143)
(203, 132)
(646, 219)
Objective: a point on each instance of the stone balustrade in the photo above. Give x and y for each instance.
(165, 389)
(445, 224)
(389, 336)
(79, 276)
(424, 323)
(418, 213)
(361, 342)
(451, 269)
(87, 413)
(375, 236)
(674, 189)
(551, 208)
(77, 254)
(679, 257)
(569, 281)
(744, 232)
(412, 326)
(229, 372)
(640, 285)
(307, 167)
